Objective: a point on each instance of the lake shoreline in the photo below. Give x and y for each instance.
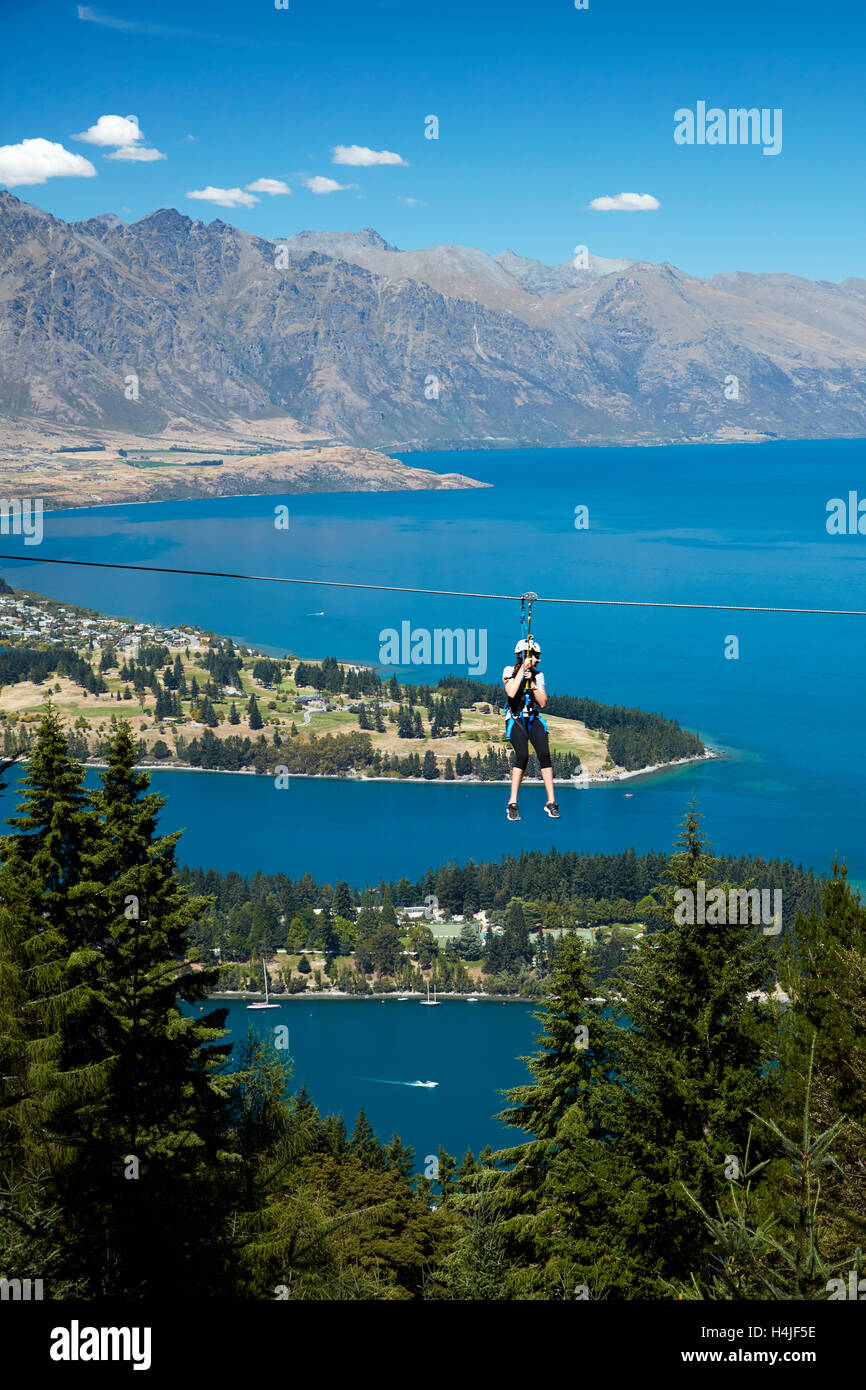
(711, 755)
(340, 996)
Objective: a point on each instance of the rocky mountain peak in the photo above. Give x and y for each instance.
(368, 236)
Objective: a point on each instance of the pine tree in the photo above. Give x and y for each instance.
(824, 976)
(234, 717)
(694, 1068)
(388, 915)
(399, 1156)
(167, 1103)
(515, 939)
(478, 1269)
(446, 1174)
(253, 715)
(566, 1112)
(343, 905)
(53, 1048)
(364, 1143)
(779, 1253)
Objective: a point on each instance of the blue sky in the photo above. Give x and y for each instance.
(542, 109)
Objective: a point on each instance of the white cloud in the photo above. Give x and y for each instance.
(34, 161)
(319, 184)
(363, 157)
(272, 186)
(626, 202)
(411, 202)
(112, 130)
(123, 131)
(224, 197)
(191, 139)
(138, 153)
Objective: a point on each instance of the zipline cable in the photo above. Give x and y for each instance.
(439, 593)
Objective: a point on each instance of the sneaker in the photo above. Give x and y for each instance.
(511, 811)
(552, 810)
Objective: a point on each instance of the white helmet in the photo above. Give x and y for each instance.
(531, 646)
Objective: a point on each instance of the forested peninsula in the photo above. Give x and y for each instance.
(195, 699)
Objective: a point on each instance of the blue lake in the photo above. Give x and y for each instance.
(742, 524)
(711, 524)
(368, 1053)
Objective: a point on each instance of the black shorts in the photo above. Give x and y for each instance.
(520, 741)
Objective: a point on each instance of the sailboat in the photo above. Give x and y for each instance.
(428, 1000)
(267, 1004)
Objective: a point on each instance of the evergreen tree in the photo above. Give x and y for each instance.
(234, 717)
(52, 1047)
(365, 1145)
(824, 974)
(780, 1253)
(167, 1101)
(342, 905)
(254, 718)
(388, 915)
(515, 939)
(467, 1172)
(478, 1269)
(694, 1068)
(447, 1170)
(399, 1157)
(566, 1110)
(332, 1136)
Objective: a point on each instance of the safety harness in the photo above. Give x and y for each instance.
(529, 710)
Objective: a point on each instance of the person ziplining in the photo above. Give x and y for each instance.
(526, 696)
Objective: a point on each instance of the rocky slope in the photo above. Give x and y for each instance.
(344, 338)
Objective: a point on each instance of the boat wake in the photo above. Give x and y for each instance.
(384, 1081)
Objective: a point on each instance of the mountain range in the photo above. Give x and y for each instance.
(170, 325)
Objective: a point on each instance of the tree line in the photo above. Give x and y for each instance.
(552, 878)
(37, 664)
